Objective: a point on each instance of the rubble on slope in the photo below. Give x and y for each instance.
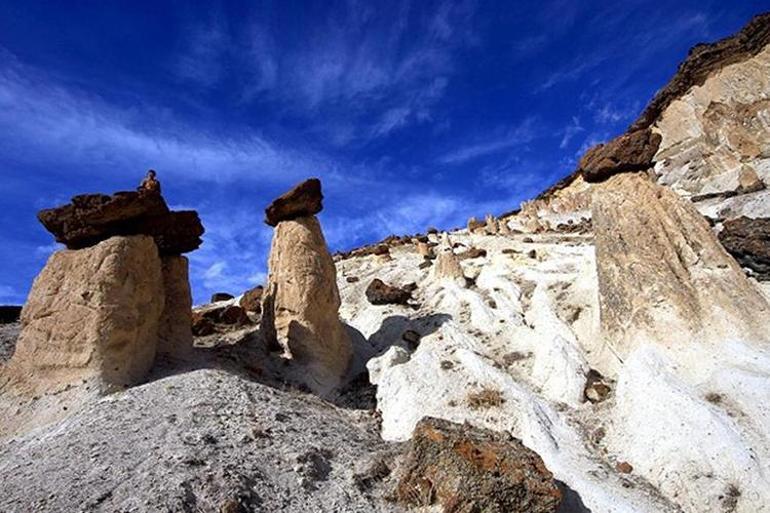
(748, 240)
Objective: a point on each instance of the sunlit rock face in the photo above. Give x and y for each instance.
(718, 130)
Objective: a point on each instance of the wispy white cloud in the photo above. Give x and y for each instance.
(518, 135)
(42, 121)
(570, 131)
(201, 61)
(9, 294)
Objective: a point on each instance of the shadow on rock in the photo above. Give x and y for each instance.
(571, 501)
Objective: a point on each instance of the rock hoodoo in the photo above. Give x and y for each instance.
(300, 306)
(662, 271)
(117, 296)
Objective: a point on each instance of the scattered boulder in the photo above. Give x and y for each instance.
(91, 218)
(251, 301)
(472, 252)
(300, 305)
(624, 467)
(303, 200)
(596, 390)
(233, 315)
(632, 151)
(748, 241)
(352, 279)
(93, 312)
(221, 296)
(380, 293)
(464, 469)
(9, 313)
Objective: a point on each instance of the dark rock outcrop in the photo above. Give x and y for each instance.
(748, 241)
(380, 293)
(91, 218)
(220, 296)
(632, 151)
(703, 61)
(464, 469)
(9, 313)
(304, 199)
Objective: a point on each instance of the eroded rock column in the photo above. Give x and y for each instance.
(301, 301)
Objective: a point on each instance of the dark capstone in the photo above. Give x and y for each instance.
(632, 151)
(220, 296)
(748, 241)
(463, 468)
(380, 293)
(91, 218)
(9, 313)
(305, 199)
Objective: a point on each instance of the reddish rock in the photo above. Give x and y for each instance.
(202, 325)
(465, 469)
(380, 293)
(233, 315)
(632, 151)
(624, 467)
(251, 301)
(304, 199)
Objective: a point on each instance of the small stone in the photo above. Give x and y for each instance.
(624, 467)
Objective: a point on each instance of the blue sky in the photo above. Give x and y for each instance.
(412, 113)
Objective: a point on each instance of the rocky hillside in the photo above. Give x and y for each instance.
(605, 348)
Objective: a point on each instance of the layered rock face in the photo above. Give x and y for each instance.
(748, 240)
(662, 272)
(94, 312)
(300, 308)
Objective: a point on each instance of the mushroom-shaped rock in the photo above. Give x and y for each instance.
(303, 200)
(447, 265)
(300, 306)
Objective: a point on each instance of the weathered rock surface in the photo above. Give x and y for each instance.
(662, 271)
(748, 240)
(632, 151)
(703, 61)
(380, 293)
(175, 325)
(466, 469)
(251, 300)
(304, 200)
(91, 218)
(301, 303)
(715, 137)
(221, 296)
(94, 312)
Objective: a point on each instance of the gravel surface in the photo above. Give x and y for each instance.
(202, 441)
